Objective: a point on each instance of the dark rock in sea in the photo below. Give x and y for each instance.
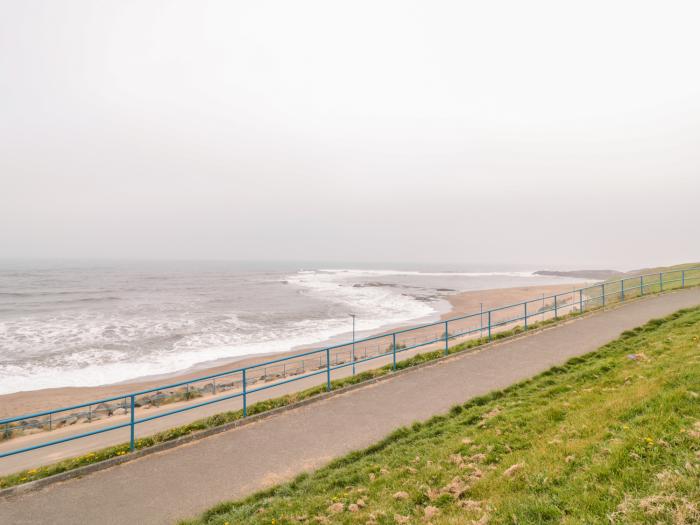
(374, 284)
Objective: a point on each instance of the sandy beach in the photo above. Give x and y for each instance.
(38, 400)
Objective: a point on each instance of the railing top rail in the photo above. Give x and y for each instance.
(327, 348)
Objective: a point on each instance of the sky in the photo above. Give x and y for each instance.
(562, 134)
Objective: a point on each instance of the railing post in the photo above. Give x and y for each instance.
(525, 305)
(489, 320)
(580, 300)
(245, 394)
(132, 444)
(682, 278)
(447, 339)
(213, 387)
(328, 369)
(661, 282)
(89, 413)
(641, 285)
(555, 306)
(622, 290)
(393, 350)
(602, 294)
(50, 423)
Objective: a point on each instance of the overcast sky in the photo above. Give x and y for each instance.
(560, 133)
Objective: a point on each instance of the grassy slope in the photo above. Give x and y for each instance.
(652, 283)
(604, 438)
(657, 269)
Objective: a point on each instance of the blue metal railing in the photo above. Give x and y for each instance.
(326, 360)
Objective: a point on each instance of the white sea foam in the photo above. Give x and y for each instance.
(92, 367)
(375, 306)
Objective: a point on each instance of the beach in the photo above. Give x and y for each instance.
(461, 304)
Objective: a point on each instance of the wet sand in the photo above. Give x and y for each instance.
(464, 303)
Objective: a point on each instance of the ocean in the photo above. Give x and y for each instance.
(88, 324)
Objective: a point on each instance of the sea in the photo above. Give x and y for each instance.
(94, 323)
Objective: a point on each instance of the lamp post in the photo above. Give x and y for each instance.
(542, 307)
(481, 320)
(353, 343)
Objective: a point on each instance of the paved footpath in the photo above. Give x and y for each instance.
(186, 480)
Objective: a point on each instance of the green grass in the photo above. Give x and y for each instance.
(657, 269)
(610, 437)
(653, 284)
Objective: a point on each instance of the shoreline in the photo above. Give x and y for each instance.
(463, 303)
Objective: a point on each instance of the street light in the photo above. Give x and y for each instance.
(353, 343)
(481, 320)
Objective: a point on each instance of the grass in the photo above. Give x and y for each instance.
(610, 437)
(672, 280)
(657, 269)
